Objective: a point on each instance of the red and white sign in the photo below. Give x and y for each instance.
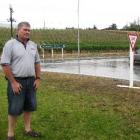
(133, 39)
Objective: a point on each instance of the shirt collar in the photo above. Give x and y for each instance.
(20, 40)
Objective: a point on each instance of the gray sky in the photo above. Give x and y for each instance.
(63, 13)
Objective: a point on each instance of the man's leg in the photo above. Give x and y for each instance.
(27, 121)
(30, 106)
(29, 103)
(11, 125)
(28, 129)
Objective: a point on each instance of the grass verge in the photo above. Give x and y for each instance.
(72, 107)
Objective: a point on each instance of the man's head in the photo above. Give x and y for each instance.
(23, 30)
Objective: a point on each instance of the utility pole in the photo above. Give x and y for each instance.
(138, 21)
(44, 25)
(11, 20)
(78, 35)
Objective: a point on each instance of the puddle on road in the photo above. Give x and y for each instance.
(105, 67)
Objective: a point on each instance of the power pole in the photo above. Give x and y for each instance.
(78, 34)
(11, 20)
(44, 25)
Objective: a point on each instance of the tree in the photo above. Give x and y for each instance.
(94, 27)
(134, 26)
(113, 26)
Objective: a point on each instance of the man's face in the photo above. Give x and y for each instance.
(24, 32)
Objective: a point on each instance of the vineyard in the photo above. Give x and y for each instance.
(90, 40)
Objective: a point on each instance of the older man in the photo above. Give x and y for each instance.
(21, 64)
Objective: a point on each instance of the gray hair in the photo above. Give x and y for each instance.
(24, 23)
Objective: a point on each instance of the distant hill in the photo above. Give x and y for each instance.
(6, 25)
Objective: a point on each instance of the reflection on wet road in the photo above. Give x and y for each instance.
(105, 67)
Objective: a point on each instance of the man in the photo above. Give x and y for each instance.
(21, 64)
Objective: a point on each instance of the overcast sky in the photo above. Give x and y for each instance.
(63, 13)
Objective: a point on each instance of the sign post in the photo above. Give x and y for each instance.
(132, 39)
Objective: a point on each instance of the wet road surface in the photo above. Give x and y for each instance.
(117, 68)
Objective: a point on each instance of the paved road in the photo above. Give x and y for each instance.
(117, 68)
(112, 67)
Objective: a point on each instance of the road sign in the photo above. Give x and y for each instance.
(133, 39)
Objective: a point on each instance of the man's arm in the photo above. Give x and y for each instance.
(15, 85)
(37, 74)
(8, 73)
(37, 70)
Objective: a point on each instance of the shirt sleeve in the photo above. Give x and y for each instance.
(37, 58)
(6, 54)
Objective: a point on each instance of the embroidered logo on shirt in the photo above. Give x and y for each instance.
(33, 49)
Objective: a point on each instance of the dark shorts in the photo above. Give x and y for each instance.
(25, 101)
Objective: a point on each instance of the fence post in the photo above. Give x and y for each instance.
(62, 53)
(52, 52)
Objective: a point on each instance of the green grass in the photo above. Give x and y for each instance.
(72, 107)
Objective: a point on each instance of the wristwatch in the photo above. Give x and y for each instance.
(37, 78)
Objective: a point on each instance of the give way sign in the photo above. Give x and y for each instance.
(133, 39)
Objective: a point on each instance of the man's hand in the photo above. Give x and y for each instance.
(17, 87)
(36, 83)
